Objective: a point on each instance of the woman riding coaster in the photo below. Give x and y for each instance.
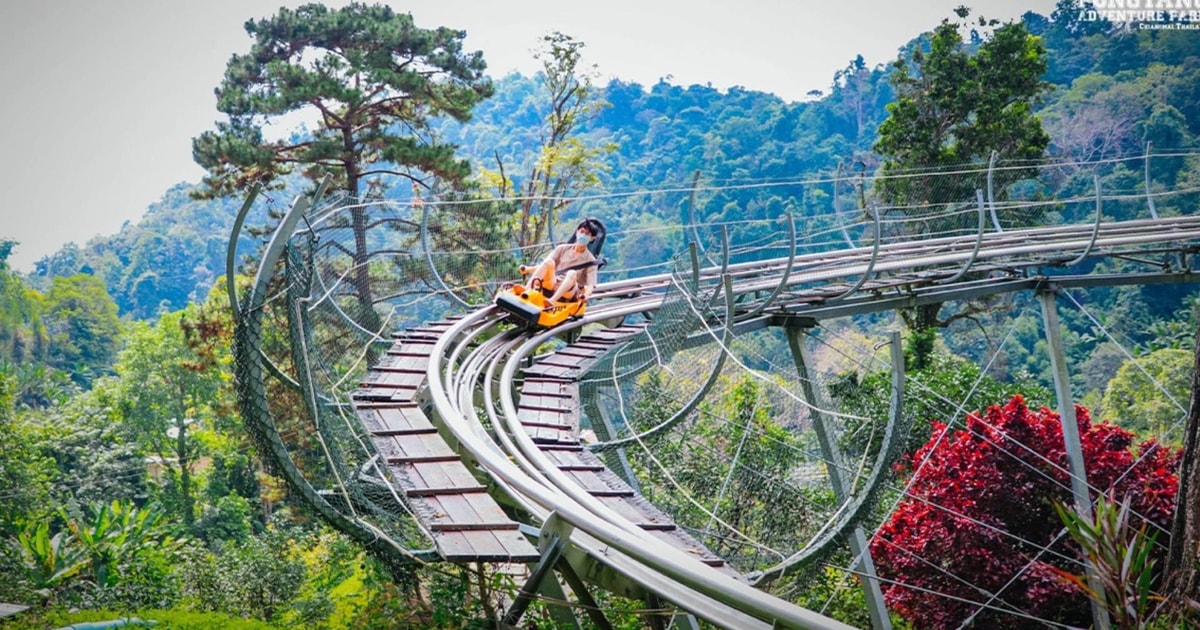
(570, 270)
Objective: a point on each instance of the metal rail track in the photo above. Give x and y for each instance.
(480, 355)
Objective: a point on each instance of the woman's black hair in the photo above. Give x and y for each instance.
(596, 227)
(593, 225)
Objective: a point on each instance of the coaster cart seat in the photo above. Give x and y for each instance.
(528, 306)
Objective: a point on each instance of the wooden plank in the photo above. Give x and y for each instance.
(439, 474)
(516, 546)
(689, 546)
(598, 345)
(564, 360)
(405, 352)
(546, 437)
(485, 546)
(596, 486)
(582, 352)
(634, 514)
(454, 546)
(547, 388)
(549, 448)
(406, 396)
(419, 447)
(373, 394)
(468, 512)
(487, 543)
(549, 432)
(542, 401)
(402, 419)
(412, 362)
(611, 334)
(553, 371)
(486, 507)
(406, 368)
(570, 460)
(406, 459)
(434, 328)
(543, 418)
(553, 426)
(447, 526)
(393, 361)
(429, 492)
(405, 380)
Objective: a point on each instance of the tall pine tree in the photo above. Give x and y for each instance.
(372, 80)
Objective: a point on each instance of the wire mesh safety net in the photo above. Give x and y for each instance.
(734, 435)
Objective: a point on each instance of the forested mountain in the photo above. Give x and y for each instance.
(115, 379)
(170, 257)
(1112, 92)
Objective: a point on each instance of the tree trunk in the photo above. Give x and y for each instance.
(1183, 559)
(185, 475)
(367, 318)
(922, 322)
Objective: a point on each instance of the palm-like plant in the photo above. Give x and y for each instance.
(1122, 559)
(49, 560)
(110, 535)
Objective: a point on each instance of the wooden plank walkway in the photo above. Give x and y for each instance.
(549, 411)
(466, 523)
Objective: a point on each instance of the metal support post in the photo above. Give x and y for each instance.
(1066, 414)
(585, 598)
(684, 621)
(543, 569)
(552, 543)
(841, 488)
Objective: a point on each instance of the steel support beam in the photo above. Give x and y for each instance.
(842, 487)
(1066, 413)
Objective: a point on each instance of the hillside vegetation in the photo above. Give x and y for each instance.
(127, 482)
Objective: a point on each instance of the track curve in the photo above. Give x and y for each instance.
(463, 366)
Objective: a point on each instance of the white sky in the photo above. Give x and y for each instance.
(101, 99)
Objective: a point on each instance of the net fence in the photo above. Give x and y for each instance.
(724, 430)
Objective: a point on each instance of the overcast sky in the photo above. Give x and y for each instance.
(101, 99)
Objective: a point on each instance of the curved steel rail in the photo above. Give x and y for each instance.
(978, 242)
(1095, 228)
(470, 357)
(534, 482)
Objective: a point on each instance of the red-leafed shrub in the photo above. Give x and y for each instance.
(980, 509)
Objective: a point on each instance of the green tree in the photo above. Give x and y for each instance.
(24, 343)
(934, 393)
(168, 389)
(955, 106)
(372, 80)
(25, 472)
(565, 163)
(1183, 558)
(49, 560)
(1148, 394)
(110, 536)
(734, 460)
(94, 459)
(22, 335)
(957, 102)
(257, 577)
(82, 323)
